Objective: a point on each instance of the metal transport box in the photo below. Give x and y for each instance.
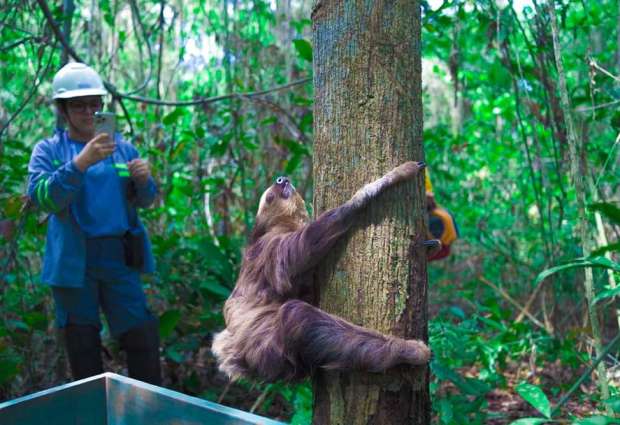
(110, 399)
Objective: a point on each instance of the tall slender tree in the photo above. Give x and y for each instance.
(577, 165)
(368, 119)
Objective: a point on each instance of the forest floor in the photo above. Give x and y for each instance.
(504, 405)
(197, 375)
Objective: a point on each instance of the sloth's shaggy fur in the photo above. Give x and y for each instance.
(272, 331)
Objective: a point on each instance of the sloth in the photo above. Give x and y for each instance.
(273, 332)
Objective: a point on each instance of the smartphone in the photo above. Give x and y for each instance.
(105, 122)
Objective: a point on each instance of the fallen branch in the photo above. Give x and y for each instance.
(530, 301)
(512, 301)
(260, 399)
(596, 66)
(226, 388)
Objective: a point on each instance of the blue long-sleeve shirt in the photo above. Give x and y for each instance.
(84, 204)
(100, 206)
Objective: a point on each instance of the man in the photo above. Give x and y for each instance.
(91, 184)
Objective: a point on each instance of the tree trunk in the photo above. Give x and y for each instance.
(577, 165)
(618, 39)
(368, 119)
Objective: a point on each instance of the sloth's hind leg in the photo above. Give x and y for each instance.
(318, 339)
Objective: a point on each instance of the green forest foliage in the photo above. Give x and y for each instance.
(495, 139)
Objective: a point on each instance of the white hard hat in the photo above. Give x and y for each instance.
(76, 80)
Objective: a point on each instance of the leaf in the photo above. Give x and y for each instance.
(215, 288)
(173, 354)
(614, 403)
(457, 311)
(499, 326)
(269, 121)
(304, 49)
(530, 421)
(12, 206)
(536, 397)
(294, 147)
(469, 386)
(609, 293)
(9, 365)
(300, 24)
(214, 19)
(178, 149)
(293, 164)
(446, 414)
(302, 101)
(219, 148)
(35, 320)
(109, 18)
(106, 8)
(15, 325)
(602, 250)
(596, 420)
(167, 322)
(601, 262)
(249, 144)
(173, 116)
(615, 121)
(610, 211)
(216, 260)
(219, 75)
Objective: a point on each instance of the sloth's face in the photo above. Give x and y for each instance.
(281, 198)
(282, 188)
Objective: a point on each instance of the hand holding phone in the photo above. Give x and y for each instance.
(98, 148)
(102, 145)
(105, 122)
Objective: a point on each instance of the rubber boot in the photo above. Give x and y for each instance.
(142, 347)
(83, 345)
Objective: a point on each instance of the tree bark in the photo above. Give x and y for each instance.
(67, 9)
(367, 120)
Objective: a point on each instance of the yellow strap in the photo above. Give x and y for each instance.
(427, 181)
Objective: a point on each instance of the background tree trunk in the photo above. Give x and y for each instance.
(368, 119)
(584, 233)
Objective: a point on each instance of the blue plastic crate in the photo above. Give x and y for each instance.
(110, 399)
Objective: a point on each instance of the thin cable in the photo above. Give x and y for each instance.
(115, 93)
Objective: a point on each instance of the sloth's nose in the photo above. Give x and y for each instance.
(282, 180)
